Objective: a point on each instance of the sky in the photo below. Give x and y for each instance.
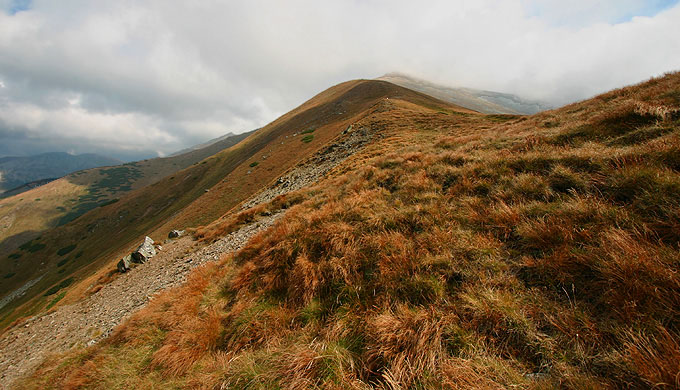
(134, 79)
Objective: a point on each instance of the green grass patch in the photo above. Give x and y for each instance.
(32, 247)
(254, 164)
(308, 131)
(64, 283)
(55, 300)
(14, 256)
(108, 202)
(62, 262)
(308, 138)
(66, 249)
(9, 275)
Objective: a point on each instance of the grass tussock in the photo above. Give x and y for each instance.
(460, 252)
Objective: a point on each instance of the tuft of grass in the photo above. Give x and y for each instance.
(307, 139)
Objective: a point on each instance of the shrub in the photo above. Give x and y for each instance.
(254, 164)
(66, 249)
(63, 284)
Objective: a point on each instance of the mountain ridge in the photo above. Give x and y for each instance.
(16, 171)
(487, 102)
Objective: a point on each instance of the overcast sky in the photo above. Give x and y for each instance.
(141, 78)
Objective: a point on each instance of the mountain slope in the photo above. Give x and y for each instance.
(24, 216)
(487, 102)
(191, 197)
(456, 251)
(203, 145)
(17, 171)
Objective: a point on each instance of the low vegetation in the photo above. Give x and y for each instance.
(459, 252)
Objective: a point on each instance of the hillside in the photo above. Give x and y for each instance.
(487, 102)
(17, 171)
(454, 251)
(86, 249)
(26, 215)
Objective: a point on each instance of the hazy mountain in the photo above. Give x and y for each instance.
(17, 171)
(487, 102)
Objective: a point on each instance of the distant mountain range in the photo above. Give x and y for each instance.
(487, 102)
(17, 171)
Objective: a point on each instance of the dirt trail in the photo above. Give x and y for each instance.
(93, 318)
(85, 322)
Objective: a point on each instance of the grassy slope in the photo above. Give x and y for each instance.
(28, 214)
(180, 200)
(461, 251)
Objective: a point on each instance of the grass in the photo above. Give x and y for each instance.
(456, 252)
(63, 284)
(307, 139)
(55, 300)
(66, 249)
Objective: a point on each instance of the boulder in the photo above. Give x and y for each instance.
(175, 233)
(144, 252)
(124, 264)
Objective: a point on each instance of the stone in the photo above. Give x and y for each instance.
(124, 264)
(175, 233)
(144, 252)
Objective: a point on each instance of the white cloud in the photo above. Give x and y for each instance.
(159, 75)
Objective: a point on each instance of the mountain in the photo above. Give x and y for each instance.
(194, 196)
(17, 171)
(487, 102)
(25, 215)
(376, 237)
(204, 144)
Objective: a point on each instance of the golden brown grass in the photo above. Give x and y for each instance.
(460, 252)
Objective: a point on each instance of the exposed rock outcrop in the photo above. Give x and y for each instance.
(176, 233)
(144, 252)
(124, 264)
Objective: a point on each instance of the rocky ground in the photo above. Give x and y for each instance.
(93, 318)
(316, 166)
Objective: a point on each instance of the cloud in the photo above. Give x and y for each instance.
(138, 78)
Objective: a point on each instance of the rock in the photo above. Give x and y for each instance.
(144, 252)
(176, 233)
(124, 264)
(158, 247)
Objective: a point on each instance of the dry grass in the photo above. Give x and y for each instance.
(459, 252)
